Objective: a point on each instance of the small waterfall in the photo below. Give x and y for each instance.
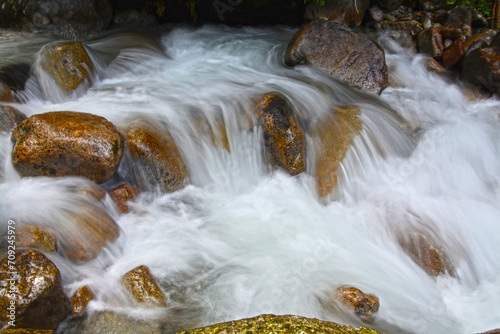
(243, 239)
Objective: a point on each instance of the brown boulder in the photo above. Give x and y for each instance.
(479, 40)
(453, 54)
(68, 65)
(80, 299)
(424, 251)
(35, 237)
(345, 55)
(122, 194)
(10, 117)
(284, 139)
(143, 287)
(482, 67)
(5, 93)
(67, 143)
(365, 306)
(336, 133)
(40, 302)
(156, 158)
(346, 12)
(87, 233)
(430, 42)
(448, 32)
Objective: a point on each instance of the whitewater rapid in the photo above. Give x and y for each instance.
(243, 239)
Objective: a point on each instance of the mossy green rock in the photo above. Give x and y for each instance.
(288, 324)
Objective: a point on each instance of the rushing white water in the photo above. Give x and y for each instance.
(242, 239)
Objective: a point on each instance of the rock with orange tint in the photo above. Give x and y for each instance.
(5, 93)
(453, 54)
(284, 139)
(40, 301)
(365, 306)
(80, 299)
(122, 194)
(91, 229)
(336, 133)
(156, 159)
(67, 143)
(68, 64)
(425, 251)
(143, 287)
(35, 237)
(346, 12)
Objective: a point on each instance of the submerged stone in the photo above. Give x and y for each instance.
(80, 299)
(67, 143)
(122, 194)
(35, 237)
(156, 159)
(112, 323)
(336, 133)
(365, 306)
(280, 324)
(40, 300)
(284, 139)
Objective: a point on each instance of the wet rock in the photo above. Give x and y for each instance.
(482, 39)
(143, 287)
(216, 133)
(92, 229)
(67, 143)
(15, 75)
(364, 306)
(112, 323)
(336, 133)
(68, 65)
(424, 250)
(430, 42)
(280, 324)
(431, 5)
(80, 299)
(284, 139)
(92, 191)
(35, 237)
(28, 331)
(343, 54)
(432, 65)
(122, 194)
(453, 54)
(156, 159)
(459, 16)
(40, 300)
(61, 18)
(10, 117)
(346, 12)
(448, 32)
(5, 93)
(482, 67)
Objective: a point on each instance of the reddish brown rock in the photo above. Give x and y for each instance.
(337, 50)
(10, 117)
(122, 194)
(67, 143)
(92, 190)
(430, 42)
(91, 229)
(68, 64)
(40, 300)
(345, 12)
(284, 139)
(448, 32)
(35, 237)
(364, 306)
(143, 287)
(156, 159)
(5, 93)
(80, 299)
(453, 54)
(424, 250)
(336, 133)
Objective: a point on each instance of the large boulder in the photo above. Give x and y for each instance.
(284, 139)
(430, 42)
(482, 67)
(67, 143)
(346, 12)
(35, 237)
(33, 285)
(68, 65)
(87, 233)
(63, 19)
(143, 287)
(425, 251)
(336, 132)
(345, 55)
(156, 160)
(280, 324)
